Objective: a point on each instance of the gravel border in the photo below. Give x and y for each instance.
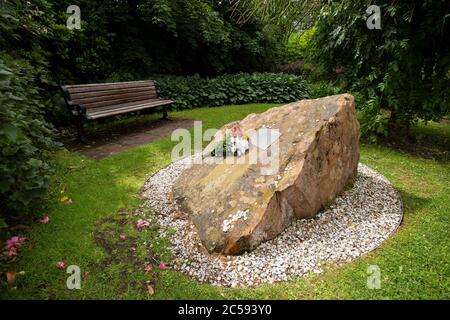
(357, 223)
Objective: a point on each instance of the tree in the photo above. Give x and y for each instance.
(404, 67)
(135, 38)
(287, 16)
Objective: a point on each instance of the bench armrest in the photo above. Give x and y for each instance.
(76, 109)
(79, 110)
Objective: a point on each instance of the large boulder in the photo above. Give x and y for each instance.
(235, 207)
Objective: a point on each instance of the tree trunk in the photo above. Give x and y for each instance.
(399, 129)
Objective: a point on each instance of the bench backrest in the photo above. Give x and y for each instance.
(101, 95)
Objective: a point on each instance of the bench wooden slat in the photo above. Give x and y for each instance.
(150, 102)
(130, 108)
(126, 104)
(82, 95)
(113, 99)
(108, 86)
(105, 84)
(115, 102)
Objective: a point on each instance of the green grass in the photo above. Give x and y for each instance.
(414, 263)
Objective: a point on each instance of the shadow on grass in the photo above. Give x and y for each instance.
(429, 141)
(412, 204)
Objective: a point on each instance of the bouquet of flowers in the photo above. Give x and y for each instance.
(234, 144)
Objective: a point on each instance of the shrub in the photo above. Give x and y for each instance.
(299, 57)
(192, 92)
(298, 45)
(323, 88)
(25, 140)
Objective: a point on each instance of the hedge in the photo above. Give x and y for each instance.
(193, 92)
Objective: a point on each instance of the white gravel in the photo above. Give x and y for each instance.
(358, 222)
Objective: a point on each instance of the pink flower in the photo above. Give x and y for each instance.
(14, 242)
(148, 268)
(61, 265)
(12, 252)
(123, 237)
(162, 266)
(142, 224)
(44, 220)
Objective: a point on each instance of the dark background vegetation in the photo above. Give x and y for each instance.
(210, 53)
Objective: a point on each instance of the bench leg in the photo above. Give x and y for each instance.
(80, 130)
(165, 115)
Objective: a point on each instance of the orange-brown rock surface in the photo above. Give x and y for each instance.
(235, 207)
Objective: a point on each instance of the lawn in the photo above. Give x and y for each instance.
(414, 263)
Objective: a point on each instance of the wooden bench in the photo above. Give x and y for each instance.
(101, 100)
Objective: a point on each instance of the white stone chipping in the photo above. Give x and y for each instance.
(358, 222)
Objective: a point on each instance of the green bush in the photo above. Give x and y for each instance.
(298, 45)
(193, 92)
(299, 56)
(324, 88)
(25, 140)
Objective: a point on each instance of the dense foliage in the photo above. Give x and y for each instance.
(298, 45)
(192, 92)
(25, 137)
(161, 36)
(298, 56)
(282, 16)
(403, 68)
(25, 140)
(132, 39)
